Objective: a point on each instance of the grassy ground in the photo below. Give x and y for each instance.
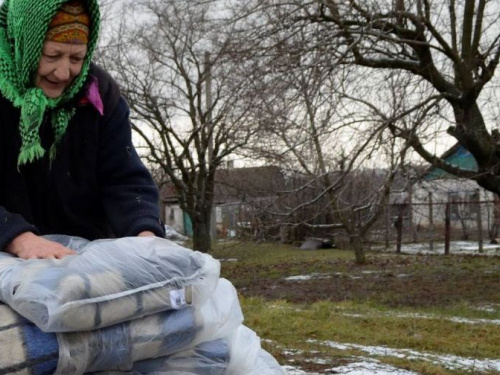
(405, 301)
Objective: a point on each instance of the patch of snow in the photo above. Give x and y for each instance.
(317, 276)
(489, 308)
(453, 319)
(449, 361)
(290, 370)
(228, 260)
(370, 367)
(174, 235)
(318, 361)
(292, 352)
(363, 366)
(475, 321)
(308, 277)
(299, 278)
(456, 247)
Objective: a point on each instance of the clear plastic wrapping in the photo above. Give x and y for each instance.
(210, 341)
(158, 335)
(247, 356)
(209, 358)
(238, 354)
(108, 282)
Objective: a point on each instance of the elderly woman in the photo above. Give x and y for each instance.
(67, 163)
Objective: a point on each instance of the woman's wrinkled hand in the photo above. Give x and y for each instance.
(30, 246)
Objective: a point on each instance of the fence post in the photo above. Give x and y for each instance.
(388, 226)
(410, 214)
(479, 221)
(431, 222)
(400, 229)
(447, 229)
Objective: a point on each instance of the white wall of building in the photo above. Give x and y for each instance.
(460, 191)
(174, 217)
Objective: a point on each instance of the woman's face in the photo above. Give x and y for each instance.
(59, 65)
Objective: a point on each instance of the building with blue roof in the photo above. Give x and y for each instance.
(440, 187)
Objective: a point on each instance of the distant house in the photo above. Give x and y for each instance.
(438, 187)
(241, 196)
(172, 213)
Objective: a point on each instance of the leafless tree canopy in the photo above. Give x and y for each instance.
(321, 122)
(444, 52)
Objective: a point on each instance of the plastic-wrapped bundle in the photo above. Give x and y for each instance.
(108, 282)
(24, 348)
(210, 341)
(159, 335)
(114, 292)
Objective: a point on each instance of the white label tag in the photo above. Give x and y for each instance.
(177, 298)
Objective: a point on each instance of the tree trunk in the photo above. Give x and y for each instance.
(357, 246)
(496, 217)
(202, 240)
(472, 133)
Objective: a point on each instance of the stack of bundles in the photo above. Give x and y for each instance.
(131, 305)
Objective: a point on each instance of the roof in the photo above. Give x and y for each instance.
(168, 192)
(236, 184)
(457, 156)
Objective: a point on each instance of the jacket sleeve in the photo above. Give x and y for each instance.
(129, 194)
(12, 225)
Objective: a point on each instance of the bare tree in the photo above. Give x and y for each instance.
(190, 105)
(449, 50)
(314, 126)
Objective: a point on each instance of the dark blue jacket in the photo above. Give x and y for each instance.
(97, 187)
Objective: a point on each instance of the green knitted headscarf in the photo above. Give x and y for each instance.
(23, 25)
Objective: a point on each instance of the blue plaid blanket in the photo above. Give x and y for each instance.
(209, 358)
(24, 348)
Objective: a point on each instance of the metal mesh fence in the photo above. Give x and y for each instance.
(434, 222)
(403, 223)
